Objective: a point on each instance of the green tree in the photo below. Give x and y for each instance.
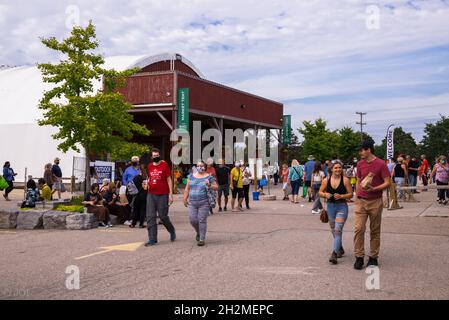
(403, 143)
(97, 121)
(319, 140)
(349, 142)
(436, 138)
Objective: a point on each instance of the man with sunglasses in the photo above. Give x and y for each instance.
(369, 203)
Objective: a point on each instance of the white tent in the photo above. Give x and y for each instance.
(22, 141)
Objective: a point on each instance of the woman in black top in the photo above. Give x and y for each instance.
(94, 203)
(399, 173)
(337, 190)
(139, 203)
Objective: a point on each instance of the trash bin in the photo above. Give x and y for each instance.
(256, 196)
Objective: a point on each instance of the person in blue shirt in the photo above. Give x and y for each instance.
(132, 171)
(8, 175)
(308, 168)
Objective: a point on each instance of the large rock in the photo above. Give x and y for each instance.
(56, 219)
(81, 221)
(8, 218)
(30, 220)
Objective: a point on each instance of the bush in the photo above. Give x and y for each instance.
(74, 208)
(77, 201)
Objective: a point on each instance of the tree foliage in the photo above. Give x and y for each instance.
(404, 143)
(436, 138)
(97, 121)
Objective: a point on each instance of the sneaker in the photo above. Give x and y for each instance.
(150, 243)
(109, 225)
(340, 253)
(225, 209)
(240, 209)
(333, 258)
(142, 227)
(372, 262)
(101, 225)
(315, 211)
(445, 202)
(201, 243)
(172, 236)
(248, 208)
(197, 238)
(220, 209)
(132, 226)
(127, 223)
(358, 264)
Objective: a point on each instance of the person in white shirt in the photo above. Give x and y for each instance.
(317, 178)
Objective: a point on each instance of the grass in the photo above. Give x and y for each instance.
(71, 208)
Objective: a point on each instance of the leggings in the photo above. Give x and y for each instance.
(338, 214)
(246, 194)
(10, 188)
(198, 212)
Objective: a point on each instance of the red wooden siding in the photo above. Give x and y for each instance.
(148, 89)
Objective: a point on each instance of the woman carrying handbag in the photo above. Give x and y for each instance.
(336, 189)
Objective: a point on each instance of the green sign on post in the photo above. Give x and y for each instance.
(183, 109)
(287, 129)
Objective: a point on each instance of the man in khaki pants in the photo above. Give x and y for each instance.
(369, 204)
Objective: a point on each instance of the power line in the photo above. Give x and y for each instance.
(361, 123)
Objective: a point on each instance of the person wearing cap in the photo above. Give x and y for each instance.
(369, 203)
(308, 171)
(57, 178)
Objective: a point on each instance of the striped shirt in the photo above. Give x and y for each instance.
(198, 188)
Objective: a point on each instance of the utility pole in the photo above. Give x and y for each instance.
(361, 123)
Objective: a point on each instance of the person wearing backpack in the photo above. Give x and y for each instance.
(196, 198)
(295, 177)
(8, 175)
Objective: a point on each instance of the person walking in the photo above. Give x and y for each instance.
(317, 179)
(424, 171)
(372, 178)
(57, 178)
(197, 200)
(139, 202)
(246, 183)
(237, 187)
(295, 176)
(223, 180)
(413, 170)
(336, 189)
(308, 168)
(284, 177)
(399, 174)
(8, 175)
(132, 171)
(440, 174)
(159, 198)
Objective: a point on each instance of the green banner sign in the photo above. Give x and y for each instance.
(287, 129)
(183, 109)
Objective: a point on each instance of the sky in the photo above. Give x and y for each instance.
(324, 58)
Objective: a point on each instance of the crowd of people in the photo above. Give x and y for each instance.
(145, 194)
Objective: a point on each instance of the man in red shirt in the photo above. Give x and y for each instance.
(369, 203)
(160, 194)
(424, 171)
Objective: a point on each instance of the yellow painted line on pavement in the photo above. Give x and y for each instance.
(7, 232)
(122, 247)
(114, 231)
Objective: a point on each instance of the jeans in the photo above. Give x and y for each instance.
(400, 182)
(413, 180)
(338, 214)
(442, 193)
(198, 212)
(317, 202)
(295, 187)
(158, 204)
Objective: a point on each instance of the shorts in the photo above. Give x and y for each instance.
(57, 185)
(223, 190)
(308, 183)
(239, 192)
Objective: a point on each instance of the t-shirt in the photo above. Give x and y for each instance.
(413, 165)
(237, 175)
(157, 178)
(223, 175)
(198, 188)
(285, 173)
(295, 173)
(129, 175)
(424, 166)
(318, 177)
(211, 171)
(380, 171)
(46, 193)
(308, 167)
(56, 170)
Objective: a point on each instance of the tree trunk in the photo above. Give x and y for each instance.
(87, 172)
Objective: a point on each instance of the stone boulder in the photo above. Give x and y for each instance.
(30, 219)
(81, 221)
(8, 218)
(56, 219)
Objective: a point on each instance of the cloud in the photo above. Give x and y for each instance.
(317, 57)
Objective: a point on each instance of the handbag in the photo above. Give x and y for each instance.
(323, 215)
(3, 183)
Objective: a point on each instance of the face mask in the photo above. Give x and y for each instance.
(443, 161)
(135, 164)
(156, 159)
(200, 169)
